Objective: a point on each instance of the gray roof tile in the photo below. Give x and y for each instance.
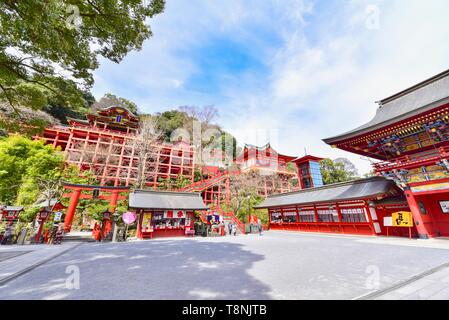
(143, 199)
(352, 190)
(425, 96)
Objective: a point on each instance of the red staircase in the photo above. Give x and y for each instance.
(205, 184)
(231, 217)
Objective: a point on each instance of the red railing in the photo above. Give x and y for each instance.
(204, 184)
(230, 216)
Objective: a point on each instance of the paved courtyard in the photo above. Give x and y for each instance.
(277, 265)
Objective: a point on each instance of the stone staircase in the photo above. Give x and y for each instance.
(78, 236)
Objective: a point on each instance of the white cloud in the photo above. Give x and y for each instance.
(325, 67)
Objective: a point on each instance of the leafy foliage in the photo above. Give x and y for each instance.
(336, 171)
(49, 49)
(111, 100)
(22, 159)
(63, 111)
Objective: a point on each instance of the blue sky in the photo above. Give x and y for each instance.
(301, 70)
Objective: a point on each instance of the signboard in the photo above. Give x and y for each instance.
(170, 214)
(146, 222)
(444, 206)
(402, 219)
(388, 222)
(58, 216)
(129, 217)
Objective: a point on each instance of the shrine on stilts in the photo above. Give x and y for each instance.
(408, 140)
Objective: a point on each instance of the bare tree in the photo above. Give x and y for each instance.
(242, 186)
(205, 114)
(146, 146)
(95, 156)
(49, 189)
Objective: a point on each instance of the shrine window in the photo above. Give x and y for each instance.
(276, 217)
(167, 220)
(290, 216)
(353, 215)
(329, 215)
(307, 216)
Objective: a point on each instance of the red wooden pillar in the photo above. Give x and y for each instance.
(297, 218)
(71, 209)
(114, 200)
(317, 216)
(423, 233)
(370, 219)
(139, 224)
(340, 218)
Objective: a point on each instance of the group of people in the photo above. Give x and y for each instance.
(232, 228)
(49, 236)
(55, 234)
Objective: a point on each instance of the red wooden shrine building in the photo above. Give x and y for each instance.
(409, 140)
(353, 207)
(409, 135)
(105, 144)
(165, 213)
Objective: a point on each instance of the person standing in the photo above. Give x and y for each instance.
(230, 228)
(59, 234)
(8, 233)
(96, 232)
(259, 225)
(234, 229)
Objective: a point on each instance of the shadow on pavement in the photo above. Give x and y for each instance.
(156, 269)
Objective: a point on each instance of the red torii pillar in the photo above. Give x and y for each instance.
(74, 198)
(76, 195)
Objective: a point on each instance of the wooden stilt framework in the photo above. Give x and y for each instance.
(112, 157)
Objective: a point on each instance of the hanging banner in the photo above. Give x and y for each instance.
(179, 214)
(402, 219)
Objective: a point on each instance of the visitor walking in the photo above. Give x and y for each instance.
(259, 225)
(230, 228)
(52, 237)
(59, 234)
(96, 232)
(234, 230)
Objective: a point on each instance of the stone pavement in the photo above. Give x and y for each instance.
(277, 265)
(17, 260)
(430, 285)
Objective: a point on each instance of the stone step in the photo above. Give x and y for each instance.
(78, 237)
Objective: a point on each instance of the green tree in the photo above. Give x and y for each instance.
(20, 159)
(171, 120)
(111, 100)
(334, 172)
(62, 111)
(48, 49)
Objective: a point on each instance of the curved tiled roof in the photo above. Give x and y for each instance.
(166, 200)
(351, 190)
(420, 98)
